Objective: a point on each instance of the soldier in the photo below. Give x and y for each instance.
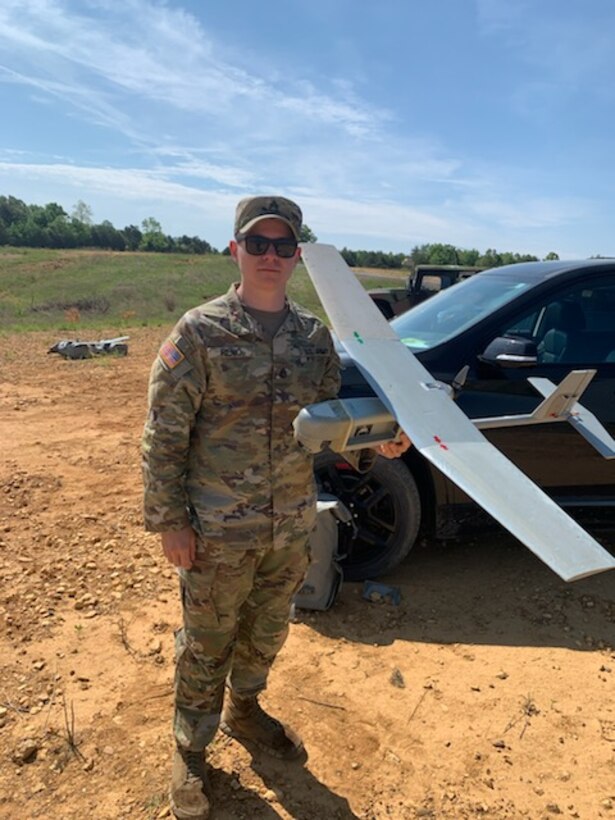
(232, 493)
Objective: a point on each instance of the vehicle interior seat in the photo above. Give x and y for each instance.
(564, 321)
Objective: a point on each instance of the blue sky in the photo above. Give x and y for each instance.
(481, 123)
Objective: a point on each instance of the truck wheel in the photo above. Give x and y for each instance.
(386, 511)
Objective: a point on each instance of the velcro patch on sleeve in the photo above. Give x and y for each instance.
(170, 354)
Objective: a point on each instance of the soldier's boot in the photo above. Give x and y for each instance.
(244, 719)
(190, 791)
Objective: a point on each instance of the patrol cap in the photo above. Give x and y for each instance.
(252, 209)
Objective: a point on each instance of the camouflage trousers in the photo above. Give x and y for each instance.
(236, 608)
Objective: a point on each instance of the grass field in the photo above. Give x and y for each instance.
(44, 289)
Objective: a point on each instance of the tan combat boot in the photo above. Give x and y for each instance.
(243, 718)
(190, 791)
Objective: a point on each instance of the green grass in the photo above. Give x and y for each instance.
(76, 289)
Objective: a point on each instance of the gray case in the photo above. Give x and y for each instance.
(324, 575)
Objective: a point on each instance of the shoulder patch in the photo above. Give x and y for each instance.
(170, 354)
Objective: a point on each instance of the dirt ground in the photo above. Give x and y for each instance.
(487, 693)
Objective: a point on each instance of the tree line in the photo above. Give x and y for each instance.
(50, 226)
(436, 253)
(440, 254)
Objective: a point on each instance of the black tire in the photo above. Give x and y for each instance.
(386, 509)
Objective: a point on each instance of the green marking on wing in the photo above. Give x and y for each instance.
(358, 337)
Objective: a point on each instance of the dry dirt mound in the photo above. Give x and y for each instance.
(487, 693)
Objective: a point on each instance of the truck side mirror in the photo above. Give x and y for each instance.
(510, 351)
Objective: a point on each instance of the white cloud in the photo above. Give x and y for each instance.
(198, 125)
(159, 54)
(128, 183)
(364, 222)
(532, 213)
(158, 76)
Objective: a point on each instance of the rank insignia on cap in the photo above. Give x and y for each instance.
(170, 354)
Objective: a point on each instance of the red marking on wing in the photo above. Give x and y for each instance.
(439, 441)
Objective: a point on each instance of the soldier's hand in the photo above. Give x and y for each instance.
(179, 547)
(393, 449)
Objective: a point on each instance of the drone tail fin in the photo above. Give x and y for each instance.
(561, 403)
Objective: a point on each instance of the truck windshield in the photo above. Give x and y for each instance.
(454, 309)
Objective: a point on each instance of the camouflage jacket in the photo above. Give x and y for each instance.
(218, 445)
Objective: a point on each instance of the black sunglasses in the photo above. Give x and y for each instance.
(259, 245)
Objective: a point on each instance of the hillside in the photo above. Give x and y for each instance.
(94, 289)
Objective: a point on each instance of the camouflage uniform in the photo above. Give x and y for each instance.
(219, 454)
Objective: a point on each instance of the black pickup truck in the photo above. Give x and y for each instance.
(426, 281)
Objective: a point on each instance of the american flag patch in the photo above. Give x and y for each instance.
(170, 354)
